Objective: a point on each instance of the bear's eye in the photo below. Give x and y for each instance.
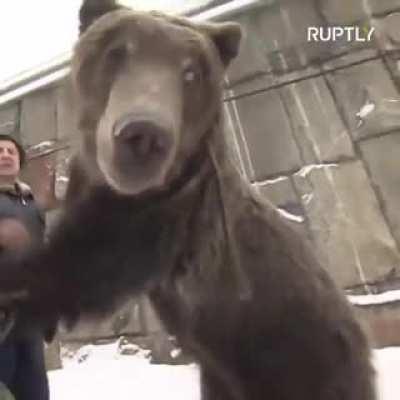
(191, 74)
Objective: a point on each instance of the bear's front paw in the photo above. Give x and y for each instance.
(11, 300)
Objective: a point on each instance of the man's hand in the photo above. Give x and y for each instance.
(13, 235)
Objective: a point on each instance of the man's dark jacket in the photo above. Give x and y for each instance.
(22, 367)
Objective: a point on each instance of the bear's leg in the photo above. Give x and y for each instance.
(211, 387)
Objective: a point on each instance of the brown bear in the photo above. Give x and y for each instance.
(156, 205)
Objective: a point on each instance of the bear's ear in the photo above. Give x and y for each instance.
(227, 37)
(94, 9)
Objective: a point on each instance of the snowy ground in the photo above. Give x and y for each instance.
(102, 373)
(125, 379)
(387, 363)
(106, 372)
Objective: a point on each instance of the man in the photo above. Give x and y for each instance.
(22, 367)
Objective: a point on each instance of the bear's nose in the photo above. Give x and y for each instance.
(143, 140)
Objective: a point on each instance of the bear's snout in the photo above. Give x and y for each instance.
(143, 140)
(143, 152)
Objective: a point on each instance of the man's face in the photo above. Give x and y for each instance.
(9, 159)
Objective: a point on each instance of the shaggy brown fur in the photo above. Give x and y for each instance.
(228, 276)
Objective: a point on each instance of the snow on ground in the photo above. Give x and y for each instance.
(387, 364)
(102, 373)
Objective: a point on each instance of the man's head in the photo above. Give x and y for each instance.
(12, 157)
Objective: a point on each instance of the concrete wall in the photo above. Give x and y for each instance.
(318, 128)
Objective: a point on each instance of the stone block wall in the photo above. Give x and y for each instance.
(318, 127)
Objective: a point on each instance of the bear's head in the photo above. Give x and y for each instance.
(148, 89)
